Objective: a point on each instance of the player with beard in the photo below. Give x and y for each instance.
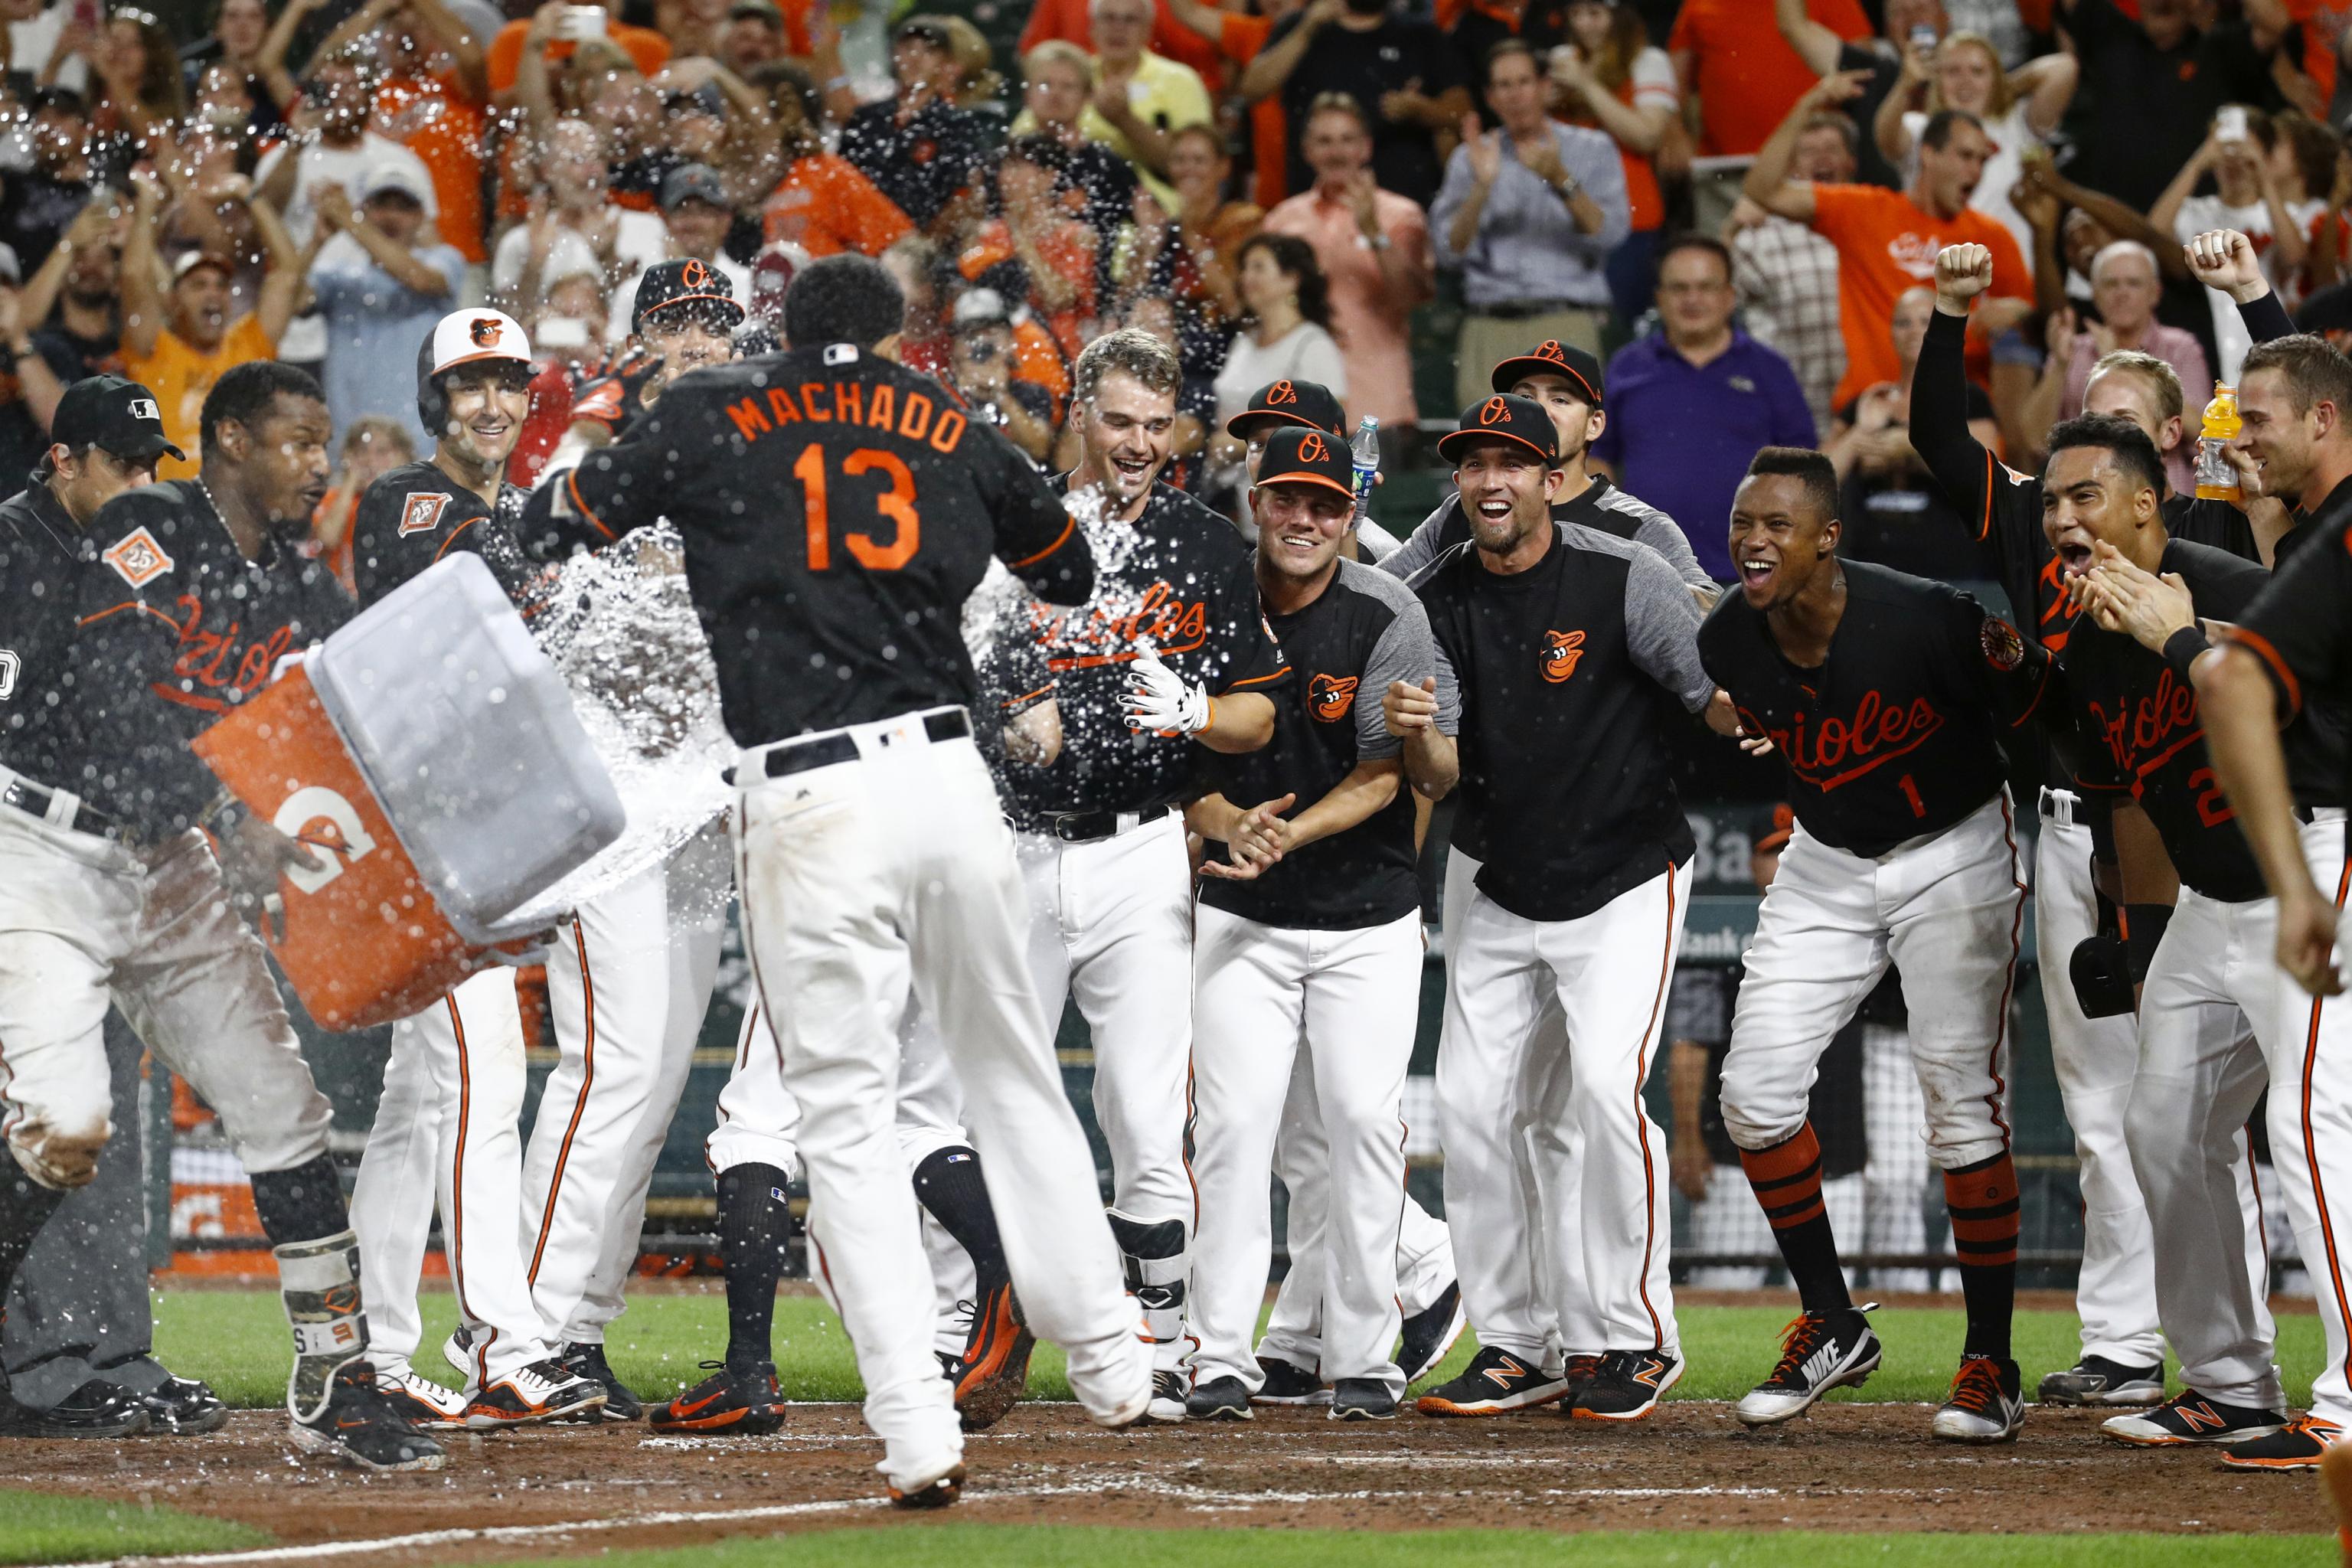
(1171, 652)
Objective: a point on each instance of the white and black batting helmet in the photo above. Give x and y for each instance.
(462, 337)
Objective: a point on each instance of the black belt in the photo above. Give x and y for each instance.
(1093, 826)
(825, 751)
(1520, 309)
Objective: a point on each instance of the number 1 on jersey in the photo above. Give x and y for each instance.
(896, 504)
(1911, 793)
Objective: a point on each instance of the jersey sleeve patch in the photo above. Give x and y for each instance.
(2004, 649)
(137, 558)
(421, 513)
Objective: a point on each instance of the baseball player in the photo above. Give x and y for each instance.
(449, 1118)
(871, 852)
(2287, 656)
(2207, 1009)
(1886, 696)
(684, 316)
(2122, 1359)
(188, 594)
(77, 1326)
(1308, 933)
(1563, 641)
(1428, 1296)
(1174, 613)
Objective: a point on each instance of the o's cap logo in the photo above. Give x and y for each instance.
(1330, 696)
(1280, 393)
(1550, 349)
(695, 275)
(1561, 652)
(484, 331)
(137, 558)
(1496, 412)
(1313, 450)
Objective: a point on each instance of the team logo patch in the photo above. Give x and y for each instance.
(1281, 394)
(144, 408)
(2003, 648)
(1550, 349)
(137, 558)
(1561, 652)
(422, 513)
(484, 331)
(1313, 450)
(1330, 696)
(9, 665)
(1495, 412)
(695, 275)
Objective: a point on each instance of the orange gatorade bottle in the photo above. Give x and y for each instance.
(2217, 477)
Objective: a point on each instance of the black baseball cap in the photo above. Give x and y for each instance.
(1288, 403)
(669, 285)
(116, 416)
(1503, 418)
(1302, 455)
(1552, 357)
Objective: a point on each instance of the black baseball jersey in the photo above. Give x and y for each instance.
(1896, 734)
(2136, 730)
(177, 628)
(43, 555)
(836, 510)
(416, 514)
(1364, 631)
(615, 399)
(2301, 625)
(1564, 671)
(1179, 580)
(1599, 506)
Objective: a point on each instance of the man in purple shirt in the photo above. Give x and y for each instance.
(1688, 409)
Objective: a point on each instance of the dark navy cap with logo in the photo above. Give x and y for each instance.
(1506, 418)
(1552, 357)
(117, 416)
(1300, 455)
(1288, 403)
(682, 285)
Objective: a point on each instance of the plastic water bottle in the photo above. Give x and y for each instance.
(2217, 477)
(1366, 450)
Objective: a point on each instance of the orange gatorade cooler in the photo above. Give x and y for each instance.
(429, 753)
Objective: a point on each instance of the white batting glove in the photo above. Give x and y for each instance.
(1161, 702)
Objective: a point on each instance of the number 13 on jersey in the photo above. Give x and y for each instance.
(896, 504)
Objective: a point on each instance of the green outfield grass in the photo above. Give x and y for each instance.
(1073, 1546)
(237, 1341)
(35, 1527)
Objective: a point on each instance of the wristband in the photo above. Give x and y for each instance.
(2142, 928)
(2182, 649)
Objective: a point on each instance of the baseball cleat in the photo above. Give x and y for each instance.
(994, 1370)
(1219, 1399)
(358, 1424)
(457, 1349)
(2188, 1417)
(583, 1359)
(1577, 1370)
(1362, 1399)
(1819, 1351)
(422, 1403)
(1431, 1332)
(2095, 1380)
(1287, 1383)
(1168, 1396)
(1625, 1387)
(1987, 1404)
(543, 1391)
(938, 1492)
(1495, 1382)
(732, 1402)
(2300, 1445)
(97, 1409)
(184, 1407)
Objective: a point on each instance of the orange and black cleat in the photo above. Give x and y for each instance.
(994, 1370)
(732, 1402)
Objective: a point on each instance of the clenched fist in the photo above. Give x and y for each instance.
(1962, 272)
(2223, 259)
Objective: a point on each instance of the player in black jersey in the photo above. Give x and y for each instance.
(1308, 934)
(1568, 645)
(1566, 380)
(2287, 656)
(2122, 1359)
(836, 511)
(1174, 614)
(684, 317)
(2137, 736)
(1886, 698)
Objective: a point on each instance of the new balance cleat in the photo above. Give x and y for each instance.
(1495, 1382)
(2190, 1418)
(2301, 1444)
(1625, 1387)
(1819, 1351)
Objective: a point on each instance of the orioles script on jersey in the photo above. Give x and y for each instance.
(1112, 633)
(2144, 732)
(875, 406)
(1878, 732)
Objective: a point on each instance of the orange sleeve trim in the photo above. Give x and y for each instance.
(455, 535)
(1984, 524)
(1069, 526)
(1045, 690)
(2290, 687)
(1259, 679)
(571, 483)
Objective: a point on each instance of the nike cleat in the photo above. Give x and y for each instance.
(1819, 1351)
(733, 1402)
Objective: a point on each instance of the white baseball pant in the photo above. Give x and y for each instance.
(1608, 971)
(85, 924)
(1350, 998)
(863, 883)
(450, 1123)
(628, 981)
(1110, 926)
(1302, 1162)
(1946, 910)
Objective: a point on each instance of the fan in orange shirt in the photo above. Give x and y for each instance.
(1886, 240)
(1056, 252)
(823, 203)
(504, 61)
(430, 101)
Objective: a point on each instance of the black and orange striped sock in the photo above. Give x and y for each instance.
(1788, 1182)
(1982, 1198)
